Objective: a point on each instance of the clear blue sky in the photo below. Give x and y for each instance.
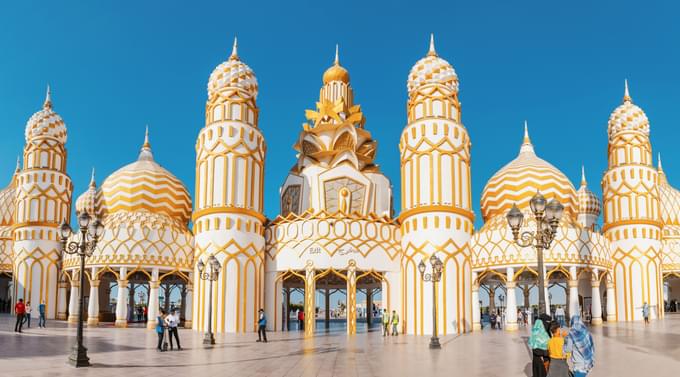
(116, 66)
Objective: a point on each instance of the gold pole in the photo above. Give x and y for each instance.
(310, 308)
(352, 298)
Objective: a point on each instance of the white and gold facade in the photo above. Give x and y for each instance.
(337, 228)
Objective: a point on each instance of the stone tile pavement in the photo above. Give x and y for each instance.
(621, 350)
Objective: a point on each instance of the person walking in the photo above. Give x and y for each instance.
(395, 323)
(579, 343)
(172, 321)
(27, 316)
(559, 314)
(41, 312)
(538, 343)
(386, 322)
(262, 327)
(301, 319)
(20, 311)
(160, 329)
(645, 313)
(558, 360)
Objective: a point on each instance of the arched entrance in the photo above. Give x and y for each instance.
(671, 291)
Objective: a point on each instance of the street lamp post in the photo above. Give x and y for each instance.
(90, 232)
(210, 274)
(434, 277)
(547, 217)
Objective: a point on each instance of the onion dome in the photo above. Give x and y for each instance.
(518, 181)
(87, 201)
(8, 200)
(145, 186)
(669, 199)
(627, 117)
(336, 72)
(432, 70)
(46, 123)
(588, 202)
(233, 73)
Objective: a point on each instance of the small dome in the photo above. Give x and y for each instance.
(588, 202)
(518, 181)
(145, 186)
(233, 73)
(87, 201)
(432, 70)
(336, 72)
(627, 117)
(46, 123)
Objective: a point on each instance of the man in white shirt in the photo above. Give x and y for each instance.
(172, 320)
(559, 313)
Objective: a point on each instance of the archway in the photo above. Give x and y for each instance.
(5, 292)
(671, 292)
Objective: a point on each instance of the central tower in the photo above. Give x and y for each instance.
(436, 215)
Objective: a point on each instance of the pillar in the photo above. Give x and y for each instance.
(511, 299)
(93, 303)
(476, 310)
(154, 304)
(492, 299)
(547, 296)
(286, 317)
(596, 303)
(611, 302)
(310, 290)
(122, 299)
(188, 310)
(573, 293)
(328, 307)
(526, 291)
(62, 304)
(352, 298)
(73, 301)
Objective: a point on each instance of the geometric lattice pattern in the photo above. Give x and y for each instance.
(232, 73)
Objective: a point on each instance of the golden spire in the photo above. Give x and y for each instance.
(336, 72)
(660, 168)
(432, 51)
(18, 168)
(145, 153)
(234, 50)
(337, 55)
(526, 143)
(626, 94)
(583, 176)
(93, 183)
(48, 98)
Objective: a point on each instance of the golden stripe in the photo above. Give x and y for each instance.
(224, 210)
(436, 208)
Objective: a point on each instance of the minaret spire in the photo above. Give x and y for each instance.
(48, 98)
(93, 183)
(432, 51)
(337, 55)
(145, 153)
(660, 168)
(18, 168)
(583, 176)
(234, 50)
(626, 93)
(526, 143)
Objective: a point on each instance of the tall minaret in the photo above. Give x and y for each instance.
(43, 200)
(436, 205)
(631, 213)
(228, 218)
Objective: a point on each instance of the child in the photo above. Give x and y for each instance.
(558, 360)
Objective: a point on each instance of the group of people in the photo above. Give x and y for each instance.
(387, 320)
(169, 322)
(23, 312)
(558, 353)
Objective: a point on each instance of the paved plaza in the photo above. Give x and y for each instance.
(621, 350)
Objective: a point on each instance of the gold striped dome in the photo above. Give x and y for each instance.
(432, 70)
(232, 74)
(627, 117)
(518, 181)
(46, 123)
(588, 202)
(336, 72)
(145, 186)
(87, 201)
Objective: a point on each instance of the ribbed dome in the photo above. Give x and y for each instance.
(588, 202)
(87, 201)
(46, 123)
(627, 117)
(145, 186)
(518, 181)
(432, 70)
(233, 73)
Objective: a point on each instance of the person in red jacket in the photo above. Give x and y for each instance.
(20, 311)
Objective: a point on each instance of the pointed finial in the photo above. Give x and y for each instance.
(93, 183)
(145, 153)
(626, 94)
(526, 143)
(18, 168)
(146, 138)
(660, 168)
(48, 98)
(583, 176)
(337, 55)
(234, 50)
(432, 51)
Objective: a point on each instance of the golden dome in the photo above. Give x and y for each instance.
(145, 186)
(336, 72)
(518, 181)
(588, 202)
(627, 117)
(8, 200)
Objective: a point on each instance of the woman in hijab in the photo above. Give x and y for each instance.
(538, 343)
(579, 344)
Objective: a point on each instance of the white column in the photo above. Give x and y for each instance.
(62, 304)
(476, 315)
(547, 297)
(573, 293)
(122, 299)
(611, 302)
(73, 301)
(596, 303)
(189, 302)
(511, 299)
(272, 301)
(154, 302)
(93, 303)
